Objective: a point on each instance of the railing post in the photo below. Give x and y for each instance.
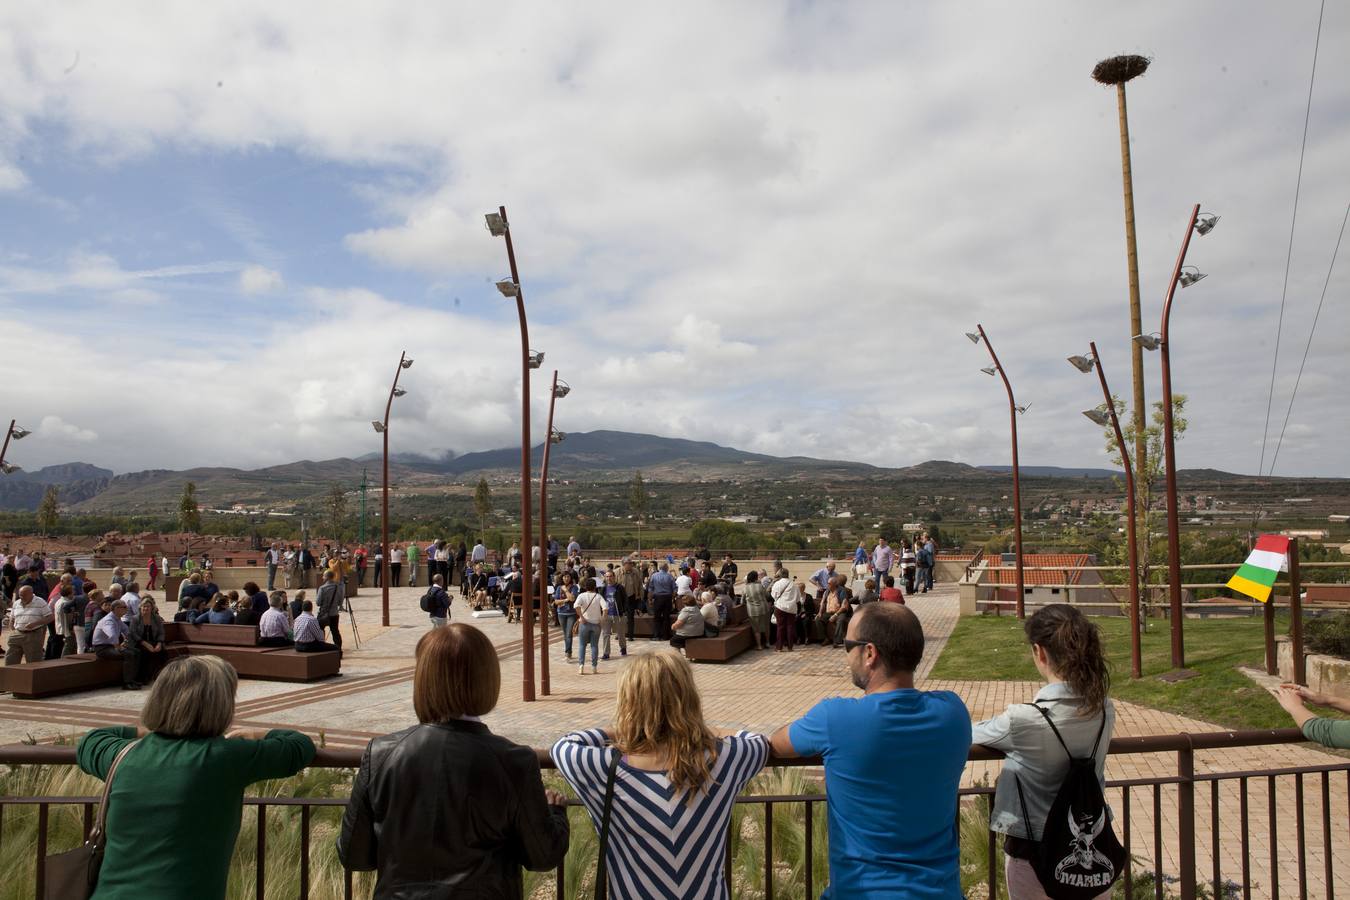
(1186, 818)
(1296, 614)
(1272, 664)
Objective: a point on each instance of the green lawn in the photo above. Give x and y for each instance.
(989, 648)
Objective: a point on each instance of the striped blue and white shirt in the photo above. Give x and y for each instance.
(661, 846)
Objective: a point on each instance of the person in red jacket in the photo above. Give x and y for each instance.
(892, 594)
(152, 564)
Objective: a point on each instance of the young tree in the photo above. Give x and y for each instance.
(482, 503)
(1148, 518)
(335, 510)
(48, 512)
(637, 502)
(189, 516)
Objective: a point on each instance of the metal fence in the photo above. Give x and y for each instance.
(1238, 802)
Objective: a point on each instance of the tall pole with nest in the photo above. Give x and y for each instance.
(1116, 71)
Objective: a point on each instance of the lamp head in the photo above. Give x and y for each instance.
(378, 426)
(10, 469)
(1205, 223)
(18, 432)
(399, 392)
(1098, 417)
(508, 288)
(1189, 276)
(562, 389)
(407, 363)
(1081, 363)
(536, 359)
(1148, 341)
(974, 336)
(496, 225)
(989, 370)
(1022, 409)
(557, 436)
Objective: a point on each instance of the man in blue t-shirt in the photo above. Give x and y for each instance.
(893, 763)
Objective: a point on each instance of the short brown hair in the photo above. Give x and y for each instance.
(457, 674)
(192, 698)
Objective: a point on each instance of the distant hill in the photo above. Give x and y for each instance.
(593, 457)
(77, 481)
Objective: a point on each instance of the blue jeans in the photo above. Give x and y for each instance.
(589, 634)
(927, 573)
(565, 620)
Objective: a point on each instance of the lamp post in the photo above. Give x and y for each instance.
(1086, 364)
(499, 226)
(1013, 410)
(382, 428)
(1185, 276)
(18, 434)
(1117, 71)
(560, 389)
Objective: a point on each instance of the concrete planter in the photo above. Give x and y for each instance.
(171, 584)
(1326, 674)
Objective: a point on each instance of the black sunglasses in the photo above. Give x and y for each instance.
(849, 645)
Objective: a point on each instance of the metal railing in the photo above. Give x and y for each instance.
(1321, 854)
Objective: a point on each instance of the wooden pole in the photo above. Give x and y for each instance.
(1296, 614)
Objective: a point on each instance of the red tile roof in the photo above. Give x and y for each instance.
(999, 572)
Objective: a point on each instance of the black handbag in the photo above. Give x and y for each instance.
(601, 887)
(72, 875)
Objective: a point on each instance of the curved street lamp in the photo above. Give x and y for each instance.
(1087, 364)
(1184, 276)
(499, 226)
(18, 434)
(997, 368)
(560, 389)
(382, 428)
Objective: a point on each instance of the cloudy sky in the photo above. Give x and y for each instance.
(762, 224)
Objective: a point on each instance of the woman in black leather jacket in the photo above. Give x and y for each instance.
(446, 808)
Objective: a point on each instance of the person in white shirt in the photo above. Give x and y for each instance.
(308, 632)
(395, 566)
(273, 561)
(787, 603)
(684, 585)
(274, 628)
(63, 612)
(28, 620)
(712, 617)
(131, 596)
(479, 553)
(573, 548)
(590, 610)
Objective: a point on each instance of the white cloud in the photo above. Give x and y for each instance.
(11, 177)
(260, 280)
(766, 224)
(56, 428)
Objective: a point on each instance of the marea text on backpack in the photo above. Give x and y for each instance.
(1077, 856)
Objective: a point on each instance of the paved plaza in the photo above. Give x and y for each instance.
(757, 690)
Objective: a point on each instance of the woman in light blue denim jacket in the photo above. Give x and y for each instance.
(1067, 651)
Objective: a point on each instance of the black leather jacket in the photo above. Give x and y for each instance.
(450, 810)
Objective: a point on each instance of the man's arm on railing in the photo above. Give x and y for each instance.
(781, 744)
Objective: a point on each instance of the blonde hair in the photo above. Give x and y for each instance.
(192, 698)
(659, 713)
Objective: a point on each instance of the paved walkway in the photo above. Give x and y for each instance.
(759, 691)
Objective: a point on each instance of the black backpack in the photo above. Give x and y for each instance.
(1077, 856)
(425, 602)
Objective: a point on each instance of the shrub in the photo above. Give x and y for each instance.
(1329, 635)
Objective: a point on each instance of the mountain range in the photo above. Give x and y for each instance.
(598, 456)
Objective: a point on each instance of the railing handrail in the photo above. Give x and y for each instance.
(350, 758)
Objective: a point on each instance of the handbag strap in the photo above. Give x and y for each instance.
(600, 874)
(100, 823)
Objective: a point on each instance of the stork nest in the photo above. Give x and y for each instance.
(1119, 69)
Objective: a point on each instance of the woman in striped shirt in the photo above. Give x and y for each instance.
(675, 780)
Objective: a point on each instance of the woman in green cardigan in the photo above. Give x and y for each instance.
(177, 797)
(1327, 732)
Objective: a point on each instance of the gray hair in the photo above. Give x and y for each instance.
(192, 698)
(276, 601)
(116, 591)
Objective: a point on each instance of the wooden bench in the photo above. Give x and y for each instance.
(732, 640)
(236, 644)
(642, 625)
